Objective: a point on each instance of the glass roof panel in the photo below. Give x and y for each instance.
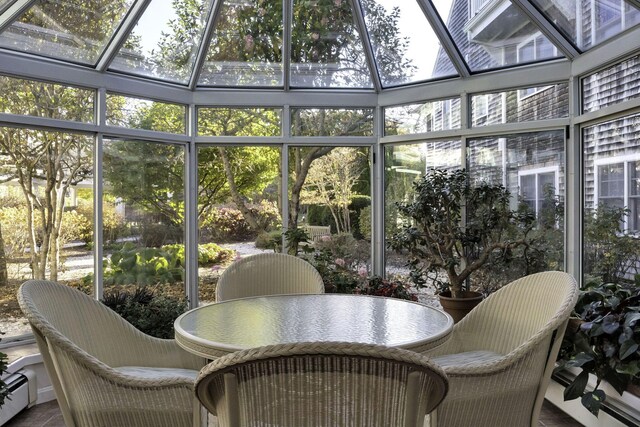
(69, 30)
(494, 33)
(165, 41)
(404, 44)
(590, 23)
(246, 45)
(326, 49)
(4, 3)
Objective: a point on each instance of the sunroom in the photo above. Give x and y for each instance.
(148, 145)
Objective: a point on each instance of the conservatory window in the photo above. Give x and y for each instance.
(536, 185)
(618, 185)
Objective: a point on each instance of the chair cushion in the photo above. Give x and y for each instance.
(456, 359)
(155, 373)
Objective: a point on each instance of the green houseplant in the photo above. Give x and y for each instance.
(606, 343)
(445, 248)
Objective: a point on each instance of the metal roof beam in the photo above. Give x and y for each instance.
(366, 44)
(447, 43)
(203, 48)
(547, 28)
(13, 12)
(122, 33)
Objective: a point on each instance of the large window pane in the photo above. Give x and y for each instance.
(125, 111)
(326, 49)
(611, 193)
(71, 30)
(493, 34)
(404, 164)
(238, 208)
(588, 23)
(40, 99)
(331, 122)
(423, 117)
(46, 214)
(165, 41)
(246, 46)
(330, 199)
(612, 85)
(531, 167)
(405, 46)
(144, 198)
(239, 121)
(520, 105)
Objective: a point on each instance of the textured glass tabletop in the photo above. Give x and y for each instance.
(217, 329)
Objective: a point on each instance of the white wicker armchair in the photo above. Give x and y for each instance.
(103, 370)
(500, 357)
(321, 384)
(268, 274)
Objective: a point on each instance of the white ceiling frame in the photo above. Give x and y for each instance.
(361, 25)
(547, 28)
(203, 48)
(118, 39)
(446, 42)
(13, 12)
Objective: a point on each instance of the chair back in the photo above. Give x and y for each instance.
(268, 274)
(322, 384)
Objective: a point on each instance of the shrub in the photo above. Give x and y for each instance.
(607, 342)
(15, 232)
(364, 223)
(208, 254)
(4, 390)
(269, 240)
(345, 246)
(226, 224)
(149, 312)
(320, 215)
(142, 266)
(113, 224)
(156, 235)
(76, 226)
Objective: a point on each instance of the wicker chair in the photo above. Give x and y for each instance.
(500, 357)
(268, 274)
(103, 370)
(321, 384)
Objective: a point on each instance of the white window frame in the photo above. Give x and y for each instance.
(537, 172)
(625, 160)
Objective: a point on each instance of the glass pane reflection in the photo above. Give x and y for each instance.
(165, 41)
(246, 46)
(71, 30)
(493, 33)
(406, 49)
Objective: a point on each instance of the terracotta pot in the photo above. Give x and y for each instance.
(459, 307)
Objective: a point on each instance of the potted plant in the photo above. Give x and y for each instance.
(445, 247)
(606, 342)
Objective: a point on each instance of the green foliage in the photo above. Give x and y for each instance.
(208, 254)
(345, 246)
(609, 252)
(113, 224)
(155, 235)
(226, 224)
(4, 391)
(606, 343)
(438, 241)
(341, 276)
(360, 203)
(364, 223)
(149, 312)
(320, 215)
(142, 266)
(269, 240)
(293, 238)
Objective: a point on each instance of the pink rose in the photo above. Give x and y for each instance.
(340, 262)
(362, 272)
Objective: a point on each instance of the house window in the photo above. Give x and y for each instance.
(446, 114)
(480, 109)
(618, 186)
(538, 187)
(608, 18)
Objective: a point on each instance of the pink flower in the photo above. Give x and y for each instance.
(325, 238)
(216, 268)
(362, 271)
(340, 262)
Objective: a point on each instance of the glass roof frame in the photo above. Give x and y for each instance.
(13, 10)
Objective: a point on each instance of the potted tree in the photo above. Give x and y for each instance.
(454, 229)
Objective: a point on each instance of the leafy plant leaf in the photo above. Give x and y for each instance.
(593, 401)
(576, 388)
(627, 348)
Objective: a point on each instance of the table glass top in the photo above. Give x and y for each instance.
(253, 322)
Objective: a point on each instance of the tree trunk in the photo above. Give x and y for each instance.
(235, 194)
(4, 276)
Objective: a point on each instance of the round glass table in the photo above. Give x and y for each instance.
(217, 329)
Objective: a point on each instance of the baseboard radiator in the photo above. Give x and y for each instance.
(23, 393)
